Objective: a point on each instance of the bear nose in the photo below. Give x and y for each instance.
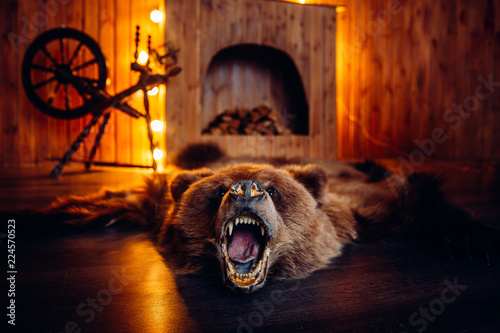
(247, 189)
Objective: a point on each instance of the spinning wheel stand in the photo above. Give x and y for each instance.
(64, 76)
(56, 172)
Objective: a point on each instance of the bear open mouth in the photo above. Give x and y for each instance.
(245, 251)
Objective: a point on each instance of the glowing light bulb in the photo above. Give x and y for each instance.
(143, 58)
(157, 126)
(153, 92)
(302, 1)
(340, 9)
(156, 16)
(157, 154)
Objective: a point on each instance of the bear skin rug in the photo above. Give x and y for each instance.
(253, 221)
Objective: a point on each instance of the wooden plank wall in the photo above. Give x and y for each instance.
(202, 28)
(402, 68)
(28, 136)
(401, 65)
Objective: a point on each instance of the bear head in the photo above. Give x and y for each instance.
(257, 220)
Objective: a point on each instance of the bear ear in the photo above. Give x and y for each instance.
(313, 177)
(184, 179)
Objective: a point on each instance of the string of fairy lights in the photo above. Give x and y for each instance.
(157, 126)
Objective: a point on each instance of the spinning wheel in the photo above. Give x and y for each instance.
(64, 76)
(61, 72)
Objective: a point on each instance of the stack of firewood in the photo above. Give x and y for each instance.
(260, 120)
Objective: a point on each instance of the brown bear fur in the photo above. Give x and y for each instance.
(308, 214)
(304, 237)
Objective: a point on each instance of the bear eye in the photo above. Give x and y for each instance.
(272, 192)
(221, 192)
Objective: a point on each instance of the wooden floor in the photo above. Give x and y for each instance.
(115, 281)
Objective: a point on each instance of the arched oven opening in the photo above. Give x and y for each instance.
(253, 89)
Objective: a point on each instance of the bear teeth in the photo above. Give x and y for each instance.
(246, 280)
(245, 220)
(246, 276)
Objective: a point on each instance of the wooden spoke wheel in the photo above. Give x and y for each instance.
(62, 71)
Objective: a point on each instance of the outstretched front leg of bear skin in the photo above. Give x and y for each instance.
(146, 206)
(415, 207)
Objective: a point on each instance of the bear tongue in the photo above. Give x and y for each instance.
(244, 247)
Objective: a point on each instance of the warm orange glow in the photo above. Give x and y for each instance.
(156, 16)
(139, 94)
(153, 92)
(320, 2)
(157, 126)
(343, 62)
(151, 285)
(143, 58)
